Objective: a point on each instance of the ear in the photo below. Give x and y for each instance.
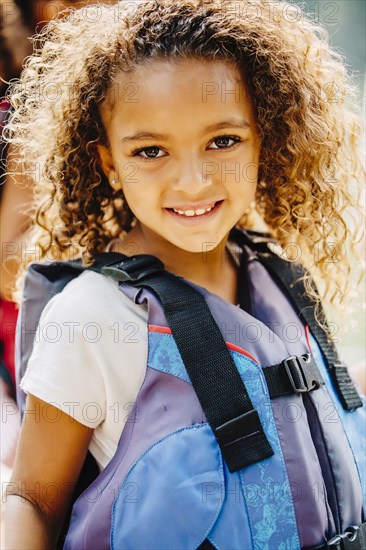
(107, 164)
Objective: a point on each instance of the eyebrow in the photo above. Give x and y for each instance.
(232, 123)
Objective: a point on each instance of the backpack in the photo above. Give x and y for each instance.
(232, 422)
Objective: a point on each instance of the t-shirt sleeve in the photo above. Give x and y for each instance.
(66, 365)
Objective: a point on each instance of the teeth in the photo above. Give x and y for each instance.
(198, 212)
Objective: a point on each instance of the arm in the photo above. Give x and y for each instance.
(50, 454)
(9, 425)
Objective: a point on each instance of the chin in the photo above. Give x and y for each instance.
(198, 246)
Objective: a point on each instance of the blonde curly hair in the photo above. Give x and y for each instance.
(306, 107)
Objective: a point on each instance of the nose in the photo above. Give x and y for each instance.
(192, 175)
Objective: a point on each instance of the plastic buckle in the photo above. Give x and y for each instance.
(333, 542)
(353, 531)
(134, 268)
(303, 373)
(351, 534)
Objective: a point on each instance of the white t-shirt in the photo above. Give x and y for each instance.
(89, 358)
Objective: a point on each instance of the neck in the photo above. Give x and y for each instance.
(199, 267)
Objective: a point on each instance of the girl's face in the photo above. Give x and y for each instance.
(183, 140)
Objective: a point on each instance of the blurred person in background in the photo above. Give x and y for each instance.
(19, 20)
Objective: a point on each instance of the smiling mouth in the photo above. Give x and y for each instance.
(194, 213)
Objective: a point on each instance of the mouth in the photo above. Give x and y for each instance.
(195, 213)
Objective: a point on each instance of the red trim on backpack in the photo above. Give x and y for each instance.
(233, 347)
(158, 328)
(307, 334)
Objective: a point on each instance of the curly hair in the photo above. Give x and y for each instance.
(305, 102)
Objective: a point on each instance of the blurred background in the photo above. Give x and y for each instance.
(345, 22)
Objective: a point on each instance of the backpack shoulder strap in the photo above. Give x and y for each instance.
(290, 277)
(209, 364)
(192, 326)
(64, 271)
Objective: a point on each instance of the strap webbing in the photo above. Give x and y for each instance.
(209, 364)
(343, 383)
(212, 371)
(288, 274)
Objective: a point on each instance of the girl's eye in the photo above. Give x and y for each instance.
(222, 141)
(149, 151)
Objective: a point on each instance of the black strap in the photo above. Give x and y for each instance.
(130, 269)
(100, 261)
(344, 385)
(289, 275)
(56, 271)
(210, 366)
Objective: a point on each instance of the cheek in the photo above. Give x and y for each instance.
(143, 200)
(251, 176)
(142, 188)
(250, 171)
(239, 177)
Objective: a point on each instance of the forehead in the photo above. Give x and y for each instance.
(162, 88)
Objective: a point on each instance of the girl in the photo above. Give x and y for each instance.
(152, 127)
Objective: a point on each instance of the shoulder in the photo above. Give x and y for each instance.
(90, 346)
(92, 296)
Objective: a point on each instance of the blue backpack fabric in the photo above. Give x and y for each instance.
(172, 482)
